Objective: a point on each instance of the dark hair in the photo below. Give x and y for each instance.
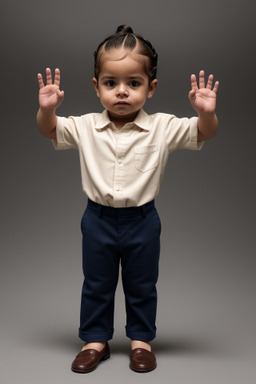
(125, 37)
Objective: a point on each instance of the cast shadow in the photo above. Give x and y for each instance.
(171, 346)
(186, 345)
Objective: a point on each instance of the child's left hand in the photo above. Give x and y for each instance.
(203, 99)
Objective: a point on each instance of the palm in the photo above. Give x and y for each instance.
(48, 96)
(203, 98)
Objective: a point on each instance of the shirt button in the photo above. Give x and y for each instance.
(118, 189)
(119, 161)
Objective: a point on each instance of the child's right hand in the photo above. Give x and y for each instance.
(50, 96)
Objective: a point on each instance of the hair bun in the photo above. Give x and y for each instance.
(124, 29)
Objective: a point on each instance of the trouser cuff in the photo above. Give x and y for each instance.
(95, 337)
(142, 336)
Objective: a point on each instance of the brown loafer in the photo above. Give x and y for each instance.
(142, 360)
(86, 361)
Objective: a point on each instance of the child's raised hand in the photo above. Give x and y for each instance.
(203, 98)
(50, 96)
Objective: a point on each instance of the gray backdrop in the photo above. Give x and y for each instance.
(206, 314)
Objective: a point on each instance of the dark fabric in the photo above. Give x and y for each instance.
(130, 236)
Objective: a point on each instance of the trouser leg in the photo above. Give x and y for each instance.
(139, 275)
(100, 268)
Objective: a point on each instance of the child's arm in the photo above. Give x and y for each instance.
(50, 98)
(203, 100)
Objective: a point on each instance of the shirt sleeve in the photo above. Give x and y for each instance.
(67, 134)
(182, 133)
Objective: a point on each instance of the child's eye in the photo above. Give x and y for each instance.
(134, 84)
(110, 83)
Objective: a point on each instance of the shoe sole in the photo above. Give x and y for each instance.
(142, 370)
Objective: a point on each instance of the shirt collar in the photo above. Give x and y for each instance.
(141, 121)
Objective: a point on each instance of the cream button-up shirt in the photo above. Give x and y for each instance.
(124, 167)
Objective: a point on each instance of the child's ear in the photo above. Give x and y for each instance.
(95, 84)
(152, 88)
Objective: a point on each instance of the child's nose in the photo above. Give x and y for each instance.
(122, 90)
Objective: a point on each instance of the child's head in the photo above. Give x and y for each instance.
(125, 74)
(125, 38)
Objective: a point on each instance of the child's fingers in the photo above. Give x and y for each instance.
(193, 82)
(201, 79)
(191, 95)
(216, 86)
(57, 77)
(40, 80)
(60, 95)
(209, 82)
(48, 76)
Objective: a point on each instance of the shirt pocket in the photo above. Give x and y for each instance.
(146, 158)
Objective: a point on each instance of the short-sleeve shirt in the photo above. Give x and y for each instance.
(124, 167)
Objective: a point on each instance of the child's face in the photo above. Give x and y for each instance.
(122, 85)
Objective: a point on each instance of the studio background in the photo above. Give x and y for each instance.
(206, 313)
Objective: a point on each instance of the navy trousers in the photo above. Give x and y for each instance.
(130, 236)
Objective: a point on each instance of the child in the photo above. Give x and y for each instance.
(123, 153)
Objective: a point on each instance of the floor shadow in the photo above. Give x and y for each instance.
(186, 345)
(59, 340)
